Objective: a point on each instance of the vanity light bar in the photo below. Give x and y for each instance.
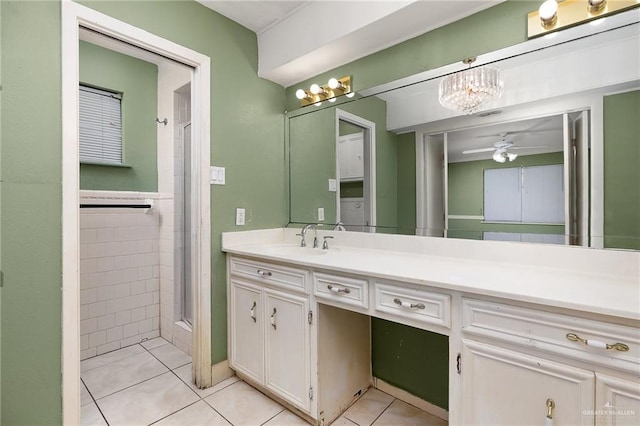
(553, 16)
(316, 94)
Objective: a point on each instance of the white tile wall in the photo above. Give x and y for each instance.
(119, 273)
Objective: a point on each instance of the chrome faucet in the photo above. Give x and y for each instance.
(303, 233)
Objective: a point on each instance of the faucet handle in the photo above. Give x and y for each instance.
(303, 243)
(325, 244)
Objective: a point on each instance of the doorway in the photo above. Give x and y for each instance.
(77, 18)
(355, 172)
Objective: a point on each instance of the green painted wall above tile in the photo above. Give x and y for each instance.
(137, 80)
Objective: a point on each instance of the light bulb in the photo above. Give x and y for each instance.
(548, 13)
(301, 94)
(315, 89)
(334, 83)
(499, 156)
(595, 6)
(512, 156)
(350, 94)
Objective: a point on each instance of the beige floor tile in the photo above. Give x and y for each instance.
(367, 409)
(90, 416)
(154, 343)
(243, 405)
(85, 397)
(171, 356)
(400, 413)
(118, 375)
(286, 418)
(199, 413)
(109, 357)
(343, 421)
(147, 402)
(184, 373)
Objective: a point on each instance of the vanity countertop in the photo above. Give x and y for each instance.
(605, 282)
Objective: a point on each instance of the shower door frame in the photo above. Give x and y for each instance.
(75, 16)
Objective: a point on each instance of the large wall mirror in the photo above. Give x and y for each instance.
(554, 160)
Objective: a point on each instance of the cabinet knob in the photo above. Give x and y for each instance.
(408, 305)
(264, 274)
(338, 289)
(597, 343)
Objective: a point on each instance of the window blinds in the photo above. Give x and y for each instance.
(100, 126)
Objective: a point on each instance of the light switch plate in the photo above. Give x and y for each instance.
(333, 185)
(239, 217)
(320, 213)
(217, 175)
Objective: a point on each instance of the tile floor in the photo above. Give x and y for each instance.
(150, 383)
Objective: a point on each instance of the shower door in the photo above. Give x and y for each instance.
(187, 306)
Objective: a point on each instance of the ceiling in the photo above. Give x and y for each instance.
(300, 39)
(541, 134)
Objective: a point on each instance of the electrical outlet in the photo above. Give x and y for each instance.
(333, 185)
(320, 213)
(239, 217)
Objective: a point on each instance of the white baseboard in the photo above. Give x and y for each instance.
(405, 396)
(220, 372)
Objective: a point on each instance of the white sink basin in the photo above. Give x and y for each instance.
(295, 250)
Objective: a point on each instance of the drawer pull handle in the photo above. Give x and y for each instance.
(338, 289)
(273, 319)
(548, 421)
(252, 312)
(598, 344)
(408, 305)
(264, 274)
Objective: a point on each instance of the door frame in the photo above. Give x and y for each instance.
(369, 141)
(75, 16)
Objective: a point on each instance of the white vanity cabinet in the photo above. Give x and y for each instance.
(269, 328)
(515, 361)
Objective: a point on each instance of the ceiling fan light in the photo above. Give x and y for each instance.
(512, 156)
(499, 156)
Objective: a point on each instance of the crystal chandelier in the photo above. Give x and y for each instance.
(467, 90)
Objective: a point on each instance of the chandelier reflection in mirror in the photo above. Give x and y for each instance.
(467, 91)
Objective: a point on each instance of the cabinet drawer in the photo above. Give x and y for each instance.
(554, 333)
(268, 273)
(342, 290)
(411, 303)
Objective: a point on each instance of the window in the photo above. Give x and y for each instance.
(100, 126)
(524, 194)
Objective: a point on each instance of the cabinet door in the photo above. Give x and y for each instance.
(617, 401)
(287, 347)
(246, 334)
(503, 387)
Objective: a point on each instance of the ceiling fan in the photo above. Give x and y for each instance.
(501, 148)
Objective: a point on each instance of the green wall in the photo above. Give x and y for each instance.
(466, 196)
(412, 359)
(247, 138)
(407, 183)
(137, 80)
(31, 205)
(621, 170)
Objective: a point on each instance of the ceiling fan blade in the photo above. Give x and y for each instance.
(473, 151)
(518, 132)
(529, 147)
